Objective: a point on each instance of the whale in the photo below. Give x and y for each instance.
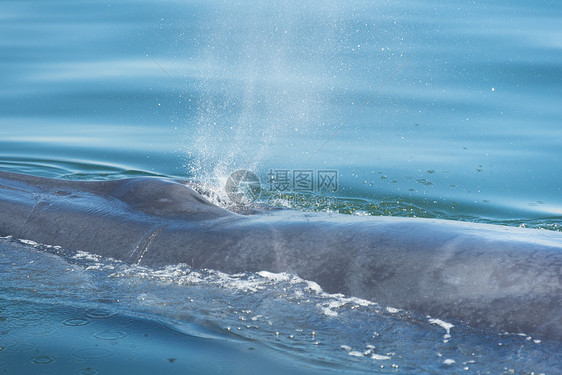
(490, 277)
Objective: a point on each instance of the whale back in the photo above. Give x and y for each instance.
(154, 196)
(486, 275)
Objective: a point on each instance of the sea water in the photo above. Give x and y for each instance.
(421, 109)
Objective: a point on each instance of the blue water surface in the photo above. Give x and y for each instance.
(424, 109)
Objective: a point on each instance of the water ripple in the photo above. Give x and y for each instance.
(76, 322)
(110, 335)
(93, 353)
(42, 360)
(99, 314)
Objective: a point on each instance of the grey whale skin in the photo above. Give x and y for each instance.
(492, 277)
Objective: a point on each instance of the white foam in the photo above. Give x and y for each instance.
(449, 361)
(248, 283)
(86, 256)
(337, 301)
(326, 311)
(314, 287)
(442, 324)
(29, 242)
(369, 351)
(360, 301)
(379, 357)
(277, 277)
